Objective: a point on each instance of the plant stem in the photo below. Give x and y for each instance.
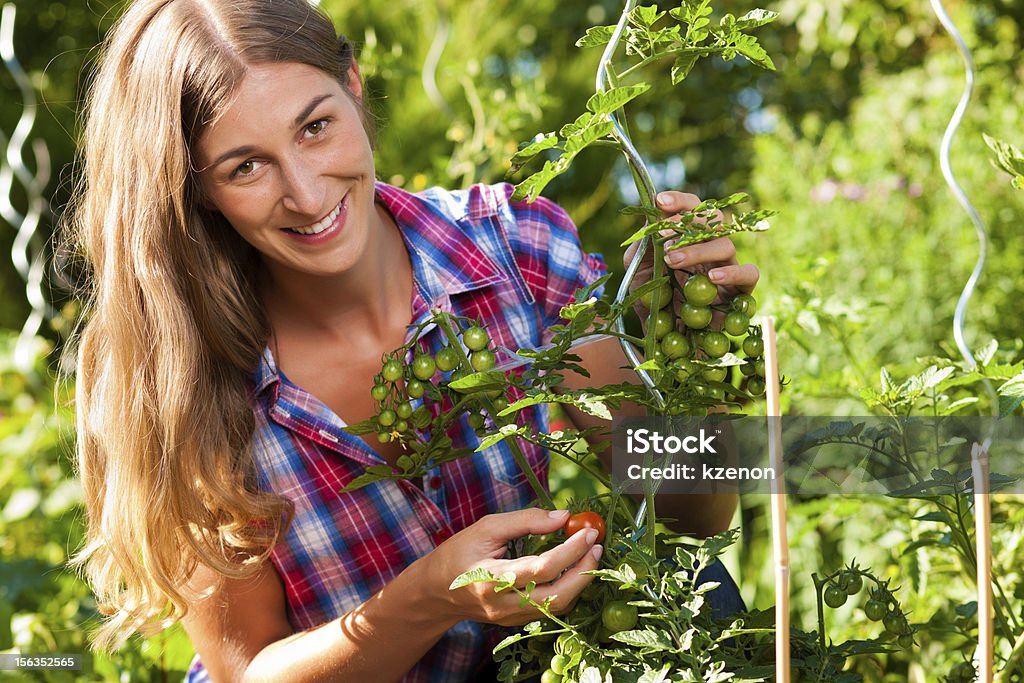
(444, 322)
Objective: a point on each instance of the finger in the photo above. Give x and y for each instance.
(502, 527)
(567, 588)
(549, 565)
(719, 250)
(742, 278)
(672, 201)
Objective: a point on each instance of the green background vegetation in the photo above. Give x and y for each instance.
(867, 256)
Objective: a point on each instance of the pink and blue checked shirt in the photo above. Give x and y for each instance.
(474, 253)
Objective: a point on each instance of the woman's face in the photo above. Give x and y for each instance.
(290, 166)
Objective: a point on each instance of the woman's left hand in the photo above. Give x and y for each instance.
(716, 257)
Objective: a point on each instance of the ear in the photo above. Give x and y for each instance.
(355, 81)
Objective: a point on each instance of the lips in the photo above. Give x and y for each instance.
(323, 229)
(322, 224)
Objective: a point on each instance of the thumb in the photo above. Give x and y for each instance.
(505, 526)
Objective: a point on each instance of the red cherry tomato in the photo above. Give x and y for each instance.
(585, 520)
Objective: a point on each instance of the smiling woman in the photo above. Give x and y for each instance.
(248, 272)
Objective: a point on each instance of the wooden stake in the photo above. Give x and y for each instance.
(780, 539)
(983, 535)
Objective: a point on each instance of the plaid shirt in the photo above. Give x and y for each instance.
(475, 254)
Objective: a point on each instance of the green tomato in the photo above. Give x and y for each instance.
(387, 417)
(856, 582)
(476, 420)
(423, 367)
(619, 616)
(746, 304)
(567, 643)
(905, 640)
(753, 346)
(664, 296)
(747, 369)
(401, 426)
(715, 344)
(874, 610)
(736, 323)
(447, 359)
(714, 374)
(716, 393)
(756, 386)
(379, 392)
(835, 596)
(684, 369)
(695, 317)
(392, 371)
(663, 323)
(404, 410)
(699, 290)
(894, 622)
(675, 345)
(482, 360)
(500, 404)
(759, 367)
(550, 676)
(383, 437)
(415, 388)
(559, 664)
(476, 338)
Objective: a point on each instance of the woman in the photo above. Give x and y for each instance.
(248, 272)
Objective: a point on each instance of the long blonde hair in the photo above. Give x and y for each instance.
(173, 325)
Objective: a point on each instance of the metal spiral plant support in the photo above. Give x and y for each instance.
(646, 187)
(28, 252)
(961, 196)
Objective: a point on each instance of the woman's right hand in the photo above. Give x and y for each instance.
(483, 544)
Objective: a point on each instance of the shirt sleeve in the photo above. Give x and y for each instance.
(551, 257)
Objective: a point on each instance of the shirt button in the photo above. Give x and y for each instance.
(435, 483)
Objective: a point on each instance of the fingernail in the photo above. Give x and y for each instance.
(675, 258)
(597, 551)
(664, 199)
(715, 275)
(591, 535)
(555, 514)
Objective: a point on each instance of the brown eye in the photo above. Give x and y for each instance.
(246, 168)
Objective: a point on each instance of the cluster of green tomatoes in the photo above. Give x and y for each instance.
(396, 415)
(881, 605)
(694, 359)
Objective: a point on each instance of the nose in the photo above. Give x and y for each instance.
(302, 189)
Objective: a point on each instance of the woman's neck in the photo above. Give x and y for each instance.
(364, 304)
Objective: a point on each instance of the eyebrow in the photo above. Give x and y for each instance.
(249, 149)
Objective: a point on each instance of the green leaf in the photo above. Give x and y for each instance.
(503, 433)
(532, 149)
(749, 47)
(361, 428)
(478, 575)
(646, 15)
(596, 36)
(755, 18)
(610, 101)
(683, 65)
(1008, 157)
(650, 229)
(647, 639)
(479, 381)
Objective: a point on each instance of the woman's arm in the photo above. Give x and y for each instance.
(697, 514)
(241, 632)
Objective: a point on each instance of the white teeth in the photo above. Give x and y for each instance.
(322, 225)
